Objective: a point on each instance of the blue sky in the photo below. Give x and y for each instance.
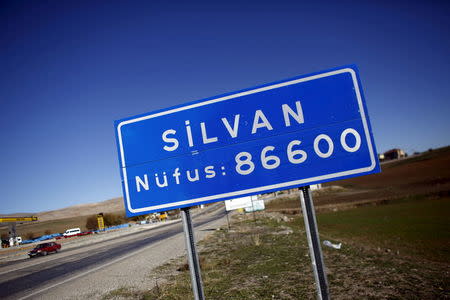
(70, 68)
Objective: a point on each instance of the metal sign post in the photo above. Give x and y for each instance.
(12, 234)
(253, 211)
(194, 265)
(295, 132)
(314, 242)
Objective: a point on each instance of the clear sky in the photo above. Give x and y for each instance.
(68, 69)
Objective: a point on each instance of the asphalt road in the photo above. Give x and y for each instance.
(31, 274)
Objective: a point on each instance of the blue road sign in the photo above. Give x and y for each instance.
(291, 133)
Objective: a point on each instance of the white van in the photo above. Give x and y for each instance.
(71, 232)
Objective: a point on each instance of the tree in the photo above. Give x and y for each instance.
(109, 219)
(113, 219)
(91, 223)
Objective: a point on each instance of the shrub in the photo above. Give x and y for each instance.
(91, 223)
(113, 219)
(138, 218)
(109, 219)
(30, 235)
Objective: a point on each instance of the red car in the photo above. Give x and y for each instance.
(44, 249)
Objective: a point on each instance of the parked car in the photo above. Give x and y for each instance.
(72, 232)
(44, 249)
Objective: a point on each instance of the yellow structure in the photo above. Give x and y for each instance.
(17, 219)
(13, 240)
(163, 216)
(100, 221)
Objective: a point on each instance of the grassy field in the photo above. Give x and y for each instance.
(415, 226)
(394, 227)
(269, 260)
(398, 250)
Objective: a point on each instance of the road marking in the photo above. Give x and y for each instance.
(28, 264)
(93, 270)
(100, 243)
(111, 262)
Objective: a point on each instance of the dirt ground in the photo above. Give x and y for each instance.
(427, 174)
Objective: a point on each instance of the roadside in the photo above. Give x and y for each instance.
(131, 270)
(393, 227)
(20, 252)
(269, 260)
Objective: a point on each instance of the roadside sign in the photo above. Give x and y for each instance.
(257, 205)
(100, 221)
(237, 203)
(296, 132)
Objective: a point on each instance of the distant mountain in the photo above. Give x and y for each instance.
(109, 206)
(18, 215)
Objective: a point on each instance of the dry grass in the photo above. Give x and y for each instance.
(267, 261)
(397, 248)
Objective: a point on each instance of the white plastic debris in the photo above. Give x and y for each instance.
(331, 245)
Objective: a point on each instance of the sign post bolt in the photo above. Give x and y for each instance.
(315, 249)
(194, 265)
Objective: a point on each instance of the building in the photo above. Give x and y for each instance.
(394, 154)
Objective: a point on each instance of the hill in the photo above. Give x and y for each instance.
(61, 219)
(114, 205)
(424, 175)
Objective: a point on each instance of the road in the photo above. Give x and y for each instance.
(36, 278)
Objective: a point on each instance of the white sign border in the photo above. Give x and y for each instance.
(258, 189)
